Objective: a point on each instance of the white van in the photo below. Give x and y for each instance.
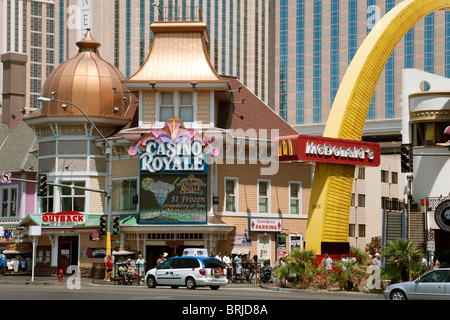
(188, 271)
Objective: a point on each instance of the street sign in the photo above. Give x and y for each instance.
(5, 177)
(430, 235)
(431, 245)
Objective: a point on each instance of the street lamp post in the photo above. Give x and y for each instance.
(108, 180)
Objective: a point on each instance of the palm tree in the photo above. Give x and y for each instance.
(403, 252)
(300, 267)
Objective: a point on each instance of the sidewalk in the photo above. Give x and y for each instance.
(26, 279)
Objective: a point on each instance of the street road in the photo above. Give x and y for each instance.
(108, 292)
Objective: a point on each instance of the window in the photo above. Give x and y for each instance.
(394, 178)
(361, 200)
(176, 104)
(263, 196)
(429, 133)
(231, 195)
(167, 108)
(73, 199)
(8, 199)
(361, 230)
(435, 276)
(384, 176)
(361, 173)
(48, 201)
(295, 197)
(351, 230)
(123, 193)
(384, 201)
(167, 264)
(185, 263)
(214, 264)
(186, 107)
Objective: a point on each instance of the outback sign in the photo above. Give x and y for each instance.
(66, 218)
(330, 150)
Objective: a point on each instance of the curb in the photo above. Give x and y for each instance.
(324, 292)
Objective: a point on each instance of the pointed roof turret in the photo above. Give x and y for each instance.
(178, 53)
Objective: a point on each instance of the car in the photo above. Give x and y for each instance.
(189, 271)
(433, 285)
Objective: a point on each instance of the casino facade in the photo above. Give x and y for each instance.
(193, 159)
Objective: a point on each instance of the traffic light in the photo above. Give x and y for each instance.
(42, 185)
(116, 225)
(406, 158)
(102, 224)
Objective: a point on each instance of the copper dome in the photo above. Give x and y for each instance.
(89, 82)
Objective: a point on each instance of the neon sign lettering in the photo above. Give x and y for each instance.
(171, 156)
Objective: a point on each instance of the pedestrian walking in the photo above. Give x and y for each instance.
(109, 267)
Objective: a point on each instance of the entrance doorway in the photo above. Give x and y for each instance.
(67, 252)
(154, 251)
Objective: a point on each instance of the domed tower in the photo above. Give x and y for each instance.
(89, 82)
(82, 97)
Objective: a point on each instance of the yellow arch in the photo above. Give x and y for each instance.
(328, 215)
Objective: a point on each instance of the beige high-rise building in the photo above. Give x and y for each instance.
(28, 27)
(238, 33)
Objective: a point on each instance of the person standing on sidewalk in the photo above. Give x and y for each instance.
(2, 264)
(140, 263)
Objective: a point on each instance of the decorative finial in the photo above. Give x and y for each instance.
(88, 41)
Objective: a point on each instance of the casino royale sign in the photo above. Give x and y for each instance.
(173, 157)
(330, 150)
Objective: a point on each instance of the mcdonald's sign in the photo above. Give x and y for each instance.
(330, 150)
(285, 148)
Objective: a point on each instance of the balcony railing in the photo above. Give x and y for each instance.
(433, 202)
(179, 14)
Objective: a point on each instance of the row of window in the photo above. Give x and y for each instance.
(125, 191)
(71, 199)
(362, 201)
(264, 196)
(384, 175)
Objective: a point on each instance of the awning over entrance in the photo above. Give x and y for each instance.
(61, 220)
